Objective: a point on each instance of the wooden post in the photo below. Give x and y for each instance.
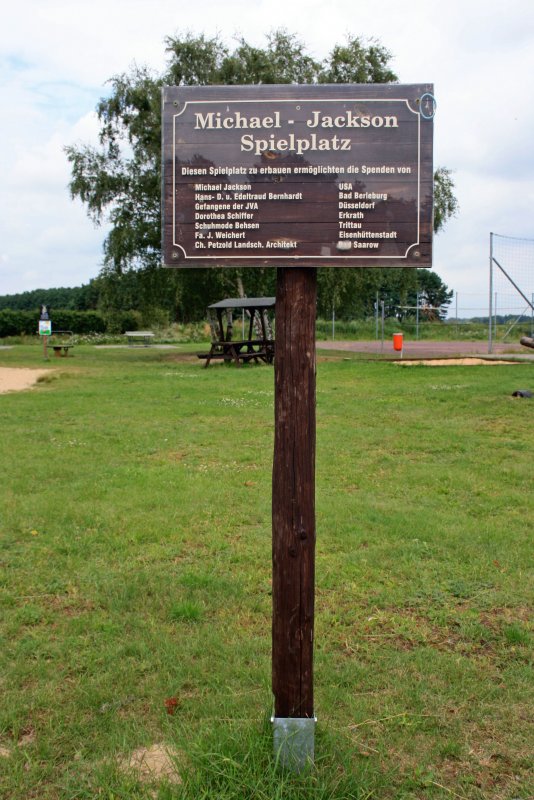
(293, 504)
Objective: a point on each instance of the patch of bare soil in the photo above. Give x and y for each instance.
(153, 764)
(15, 379)
(26, 739)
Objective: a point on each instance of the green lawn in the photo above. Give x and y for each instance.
(135, 571)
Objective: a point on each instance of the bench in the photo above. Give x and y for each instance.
(143, 336)
(61, 350)
(241, 350)
(61, 342)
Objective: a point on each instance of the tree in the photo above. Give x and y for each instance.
(445, 202)
(119, 181)
(434, 295)
(358, 62)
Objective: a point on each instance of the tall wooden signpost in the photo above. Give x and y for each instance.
(297, 177)
(45, 329)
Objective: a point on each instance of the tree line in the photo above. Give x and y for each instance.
(78, 298)
(123, 302)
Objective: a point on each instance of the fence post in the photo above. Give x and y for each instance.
(490, 314)
(383, 314)
(376, 317)
(333, 322)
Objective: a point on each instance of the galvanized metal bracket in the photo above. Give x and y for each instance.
(294, 742)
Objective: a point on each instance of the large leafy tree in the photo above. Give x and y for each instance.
(119, 181)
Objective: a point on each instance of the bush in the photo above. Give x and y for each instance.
(121, 321)
(78, 321)
(20, 323)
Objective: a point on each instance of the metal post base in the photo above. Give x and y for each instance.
(294, 740)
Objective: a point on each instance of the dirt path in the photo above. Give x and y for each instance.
(15, 379)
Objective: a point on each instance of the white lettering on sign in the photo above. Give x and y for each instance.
(292, 144)
(350, 120)
(214, 120)
(333, 175)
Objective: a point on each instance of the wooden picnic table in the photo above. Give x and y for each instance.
(257, 346)
(61, 342)
(143, 337)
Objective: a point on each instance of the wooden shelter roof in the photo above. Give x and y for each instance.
(245, 302)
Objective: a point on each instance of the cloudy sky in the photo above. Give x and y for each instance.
(56, 56)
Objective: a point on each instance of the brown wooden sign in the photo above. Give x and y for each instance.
(334, 175)
(296, 177)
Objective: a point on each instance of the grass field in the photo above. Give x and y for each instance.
(135, 573)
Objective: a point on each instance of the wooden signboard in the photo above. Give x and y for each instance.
(332, 175)
(296, 177)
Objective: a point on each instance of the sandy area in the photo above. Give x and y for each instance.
(451, 362)
(14, 379)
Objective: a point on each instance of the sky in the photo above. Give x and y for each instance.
(56, 57)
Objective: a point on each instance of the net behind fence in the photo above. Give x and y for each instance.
(511, 287)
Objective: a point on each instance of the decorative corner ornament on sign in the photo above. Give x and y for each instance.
(427, 105)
